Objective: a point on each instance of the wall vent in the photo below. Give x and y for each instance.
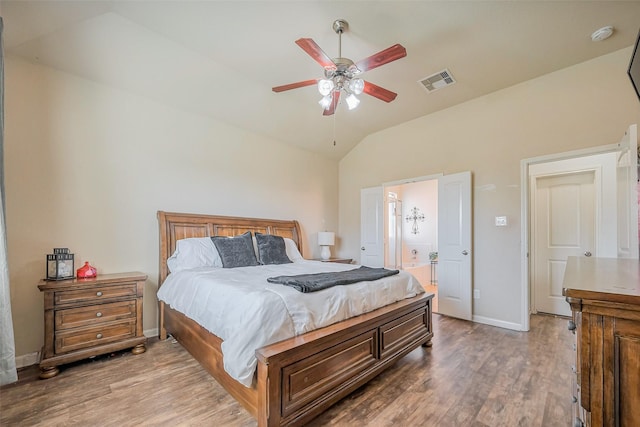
(437, 81)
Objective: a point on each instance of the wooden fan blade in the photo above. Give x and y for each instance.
(314, 51)
(390, 54)
(379, 92)
(334, 104)
(294, 85)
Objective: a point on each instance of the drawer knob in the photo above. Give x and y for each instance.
(572, 325)
(573, 369)
(99, 336)
(98, 294)
(578, 423)
(574, 399)
(98, 314)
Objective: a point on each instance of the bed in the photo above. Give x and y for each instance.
(297, 378)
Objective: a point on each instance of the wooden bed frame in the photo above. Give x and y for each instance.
(298, 378)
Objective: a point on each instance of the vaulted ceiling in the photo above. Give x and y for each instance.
(221, 58)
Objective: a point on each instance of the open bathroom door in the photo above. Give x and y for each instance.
(372, 227)
(454, 245)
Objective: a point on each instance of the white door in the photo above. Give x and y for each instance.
(564, 224)
(454, 245)
(393, 236)
(372, 227)
(627, 183)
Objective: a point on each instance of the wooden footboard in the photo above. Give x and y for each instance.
(299, 378)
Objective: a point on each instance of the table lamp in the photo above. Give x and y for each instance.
(326, 239)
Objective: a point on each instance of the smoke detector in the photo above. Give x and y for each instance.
(602, 33)
(437, 81)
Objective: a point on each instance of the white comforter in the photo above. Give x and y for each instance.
(246, 312)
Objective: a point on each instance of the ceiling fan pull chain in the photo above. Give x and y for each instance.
(335, 113)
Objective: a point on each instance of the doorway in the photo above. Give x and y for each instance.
(614, 210)
(452, 254)
(411, 231)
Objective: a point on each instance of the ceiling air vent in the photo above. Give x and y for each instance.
(437, 81)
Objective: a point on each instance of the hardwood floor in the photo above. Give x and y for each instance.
(474, 375)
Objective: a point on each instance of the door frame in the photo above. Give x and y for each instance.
(525, 217)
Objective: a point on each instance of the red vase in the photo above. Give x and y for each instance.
(86, 271)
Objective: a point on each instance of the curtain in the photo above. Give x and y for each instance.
(8, 372)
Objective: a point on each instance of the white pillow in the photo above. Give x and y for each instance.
(193, 253)
(292, 250)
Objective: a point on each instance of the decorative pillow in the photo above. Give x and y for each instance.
(271, 249)
(292, 250)
(236, 251)
(193, 253)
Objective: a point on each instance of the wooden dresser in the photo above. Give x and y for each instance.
(604, 294)
(88, 317)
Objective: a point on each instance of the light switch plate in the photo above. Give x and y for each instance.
(501, 221)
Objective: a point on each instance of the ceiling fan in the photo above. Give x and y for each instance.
(341, 74)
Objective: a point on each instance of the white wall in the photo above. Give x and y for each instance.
(424, 196)
(87, 167)
(586, 105)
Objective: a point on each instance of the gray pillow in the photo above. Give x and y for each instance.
(236, 251)
(271, 249)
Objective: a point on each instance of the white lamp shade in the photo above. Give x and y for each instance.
(325, 102)
(326, 238)
(352, 101)
(356, 86)
(325, 87)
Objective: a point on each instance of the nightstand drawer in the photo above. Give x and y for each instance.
(76, 339)
(95, 294)
(94, 314)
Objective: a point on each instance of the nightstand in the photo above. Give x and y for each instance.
(88, 317)
(340, 260)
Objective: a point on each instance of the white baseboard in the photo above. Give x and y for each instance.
(499, 323)
(27, 359)
(151, 333)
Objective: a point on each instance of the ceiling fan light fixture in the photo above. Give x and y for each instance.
(325, 86)
(325, 102)
(356, 86)
(352, 101)
(340, 74)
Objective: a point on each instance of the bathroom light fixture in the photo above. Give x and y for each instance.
(415, 216)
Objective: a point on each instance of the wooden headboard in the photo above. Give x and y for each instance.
(176, 226)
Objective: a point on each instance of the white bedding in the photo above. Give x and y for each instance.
(246, 312)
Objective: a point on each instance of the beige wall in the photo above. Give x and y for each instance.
(586, 105)
(87, 167)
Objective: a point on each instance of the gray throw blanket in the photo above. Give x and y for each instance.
(318, 281)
